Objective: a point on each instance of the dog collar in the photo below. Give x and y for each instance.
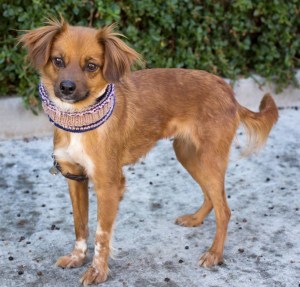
(56, 168)
(78, 122)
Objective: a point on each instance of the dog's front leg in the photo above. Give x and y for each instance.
(79, 197)
(109, 193)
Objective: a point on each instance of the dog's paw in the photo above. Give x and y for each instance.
(94, 275)
(70, 261)
(209, 259)
(188, 220)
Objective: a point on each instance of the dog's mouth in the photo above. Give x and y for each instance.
(74, 99)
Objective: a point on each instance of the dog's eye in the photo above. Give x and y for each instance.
(58, 62)
(90, 67)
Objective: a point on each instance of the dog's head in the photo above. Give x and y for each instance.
(77, 63)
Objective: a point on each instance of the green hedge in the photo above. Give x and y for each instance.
(228, 38)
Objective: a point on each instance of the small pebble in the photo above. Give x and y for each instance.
(180, 261)
(241, 250)
(43, 205)
(39, 273)
(53, 226)
(167, 279)
(244, 220)
(150, 182)
(20, 272)
(228, 196)
(22, 222)
(21, 238)
(268, 179)
(28, 242)
(186, 247)
(10, 258)
(18, 215)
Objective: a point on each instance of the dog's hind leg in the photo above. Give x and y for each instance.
(208, 168)
(186, 154)
(213, 173)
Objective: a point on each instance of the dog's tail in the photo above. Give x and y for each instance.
(258, 125)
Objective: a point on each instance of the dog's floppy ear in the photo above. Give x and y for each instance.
(118, 57)
(39, 41)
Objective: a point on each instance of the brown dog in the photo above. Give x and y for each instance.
(198, 109)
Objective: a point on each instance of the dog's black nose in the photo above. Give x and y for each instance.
(67, 87)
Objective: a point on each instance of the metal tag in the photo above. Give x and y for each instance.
(53, 170)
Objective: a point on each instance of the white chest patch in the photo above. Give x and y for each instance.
(75, 153)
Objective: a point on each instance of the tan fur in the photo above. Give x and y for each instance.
(118, 56)
(38, 41)
(198, 109)
(259, 125)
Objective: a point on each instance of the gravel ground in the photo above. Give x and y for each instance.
(262, 248)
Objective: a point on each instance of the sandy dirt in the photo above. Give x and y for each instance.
(262, 247)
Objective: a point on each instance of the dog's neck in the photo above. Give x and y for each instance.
(82, 121)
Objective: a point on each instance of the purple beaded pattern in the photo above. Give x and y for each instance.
(79, 122)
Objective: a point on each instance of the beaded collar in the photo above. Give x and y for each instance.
(82, 121)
